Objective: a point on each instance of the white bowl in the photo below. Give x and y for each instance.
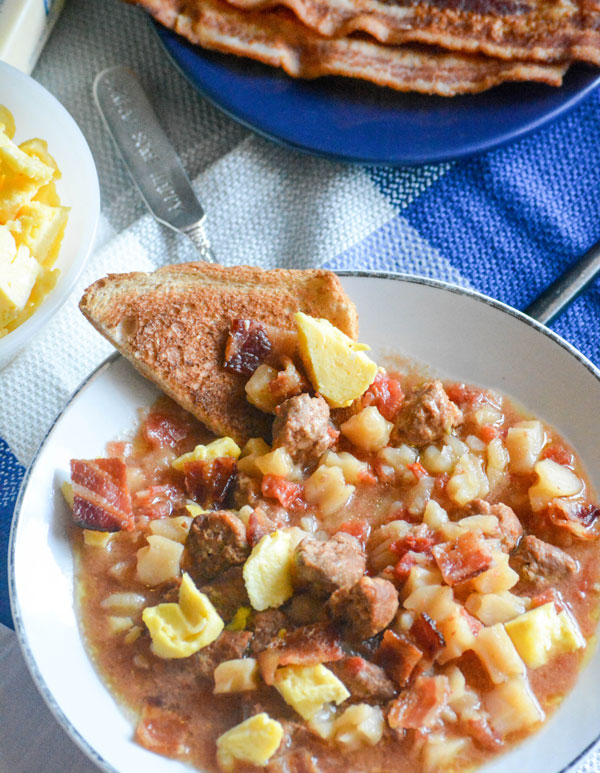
(38, 114)
(461, 334)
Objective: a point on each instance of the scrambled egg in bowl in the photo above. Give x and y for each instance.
(32, 225)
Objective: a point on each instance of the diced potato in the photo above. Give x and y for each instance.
(327, 489)
(337, 366)
(457, 682)
(159, 560)
(224, 446)
(323, 722)
(437, 460)
(277, 462)
(524, 443)
(368, 429)
(543, 633)
(418, 496)
(499, 577)
(498, 654)
(244, 514)
(380, 541)
(253, 741)
(194, 509)
(497, 462)
(267, 571)
(437, 601)
(442, 753)
(308, 688)
(126, 603)
(512, 706)
(450, 530)
(133, 634)
(360, 725)
(457, 633)
(554, 480)
(468, 481)
(458, 447)
(258, 392)
(398, 458)
(420, 577)
(351, 467)
(486, 524)
(179, 630)
(240, 675)
(475, 444)
(434, 515)
(492, 608)
(175, 529)
(117, 624)
(256, 446)
(97, 539)
(487, 414)
(66, 488)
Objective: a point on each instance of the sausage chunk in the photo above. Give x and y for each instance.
(364, 680)
(302, 427)
(541, 564)
(216, 541)
(267, 625)
(426, 415)
(365, 609)
(324, 567)
(227, 592)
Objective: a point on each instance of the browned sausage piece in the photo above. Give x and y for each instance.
(541, 564)
(216, 541)
(398, 657)
(302, 427)
(364, 680)
(426, 415)
(365, 609)
(322, 567)
(309, 645)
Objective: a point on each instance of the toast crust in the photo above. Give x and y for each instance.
(172, 325)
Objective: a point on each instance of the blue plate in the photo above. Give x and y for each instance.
(350, 120)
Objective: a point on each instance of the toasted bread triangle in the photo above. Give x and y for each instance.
(172, 325)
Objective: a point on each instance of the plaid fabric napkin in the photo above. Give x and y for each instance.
(506, 223)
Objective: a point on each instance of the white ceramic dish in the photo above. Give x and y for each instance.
(38, 114)
(460, 334)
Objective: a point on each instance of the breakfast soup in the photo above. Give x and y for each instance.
(403, 576)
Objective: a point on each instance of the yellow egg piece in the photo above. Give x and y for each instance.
(267, 571)
(179, 630)
(7, 122)
(336, 365)
(253, 741)
(224, 446)
(543, 633)
(308, 688)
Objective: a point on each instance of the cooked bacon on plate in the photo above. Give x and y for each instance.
(101, 499)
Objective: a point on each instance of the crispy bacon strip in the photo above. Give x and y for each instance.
(247, 346)
(420, 706)
(210, 483)
(101, 496)
(427, 636)
(309, 645)
(162, 731)
(463, 558)
(398, 657)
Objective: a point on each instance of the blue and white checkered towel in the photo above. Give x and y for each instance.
(506, 223)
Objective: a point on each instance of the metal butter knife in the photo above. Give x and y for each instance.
(149, 157)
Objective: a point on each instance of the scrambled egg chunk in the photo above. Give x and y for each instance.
(253, 741)
(308, 688)
(336, 365)
(224, 446)
(179, 630)
(18, 273)
(543, 633)
(267, 572)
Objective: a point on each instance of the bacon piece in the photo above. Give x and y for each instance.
(427, 636)
(480, 731)
(578, 518)
(161, 731)
(420, 541)
(167, 424)
(260, 524)
(289, 382)
(386, 394)
(247, 346)
(101, 499)
(398, 657)
(158, 501)
(420, 706)
(210, 483)
(364, 680)
(404, 565)
(462, 559)
(288, 494)
(309, 645)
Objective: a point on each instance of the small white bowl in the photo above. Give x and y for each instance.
(38, 114)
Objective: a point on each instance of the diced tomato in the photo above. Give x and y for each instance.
(417, 543)
(359, 529)
(463, 394)
(488, 432)
(417, 470)
(386, 394)
(558, 454)
(287, 493)
(404, 565)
